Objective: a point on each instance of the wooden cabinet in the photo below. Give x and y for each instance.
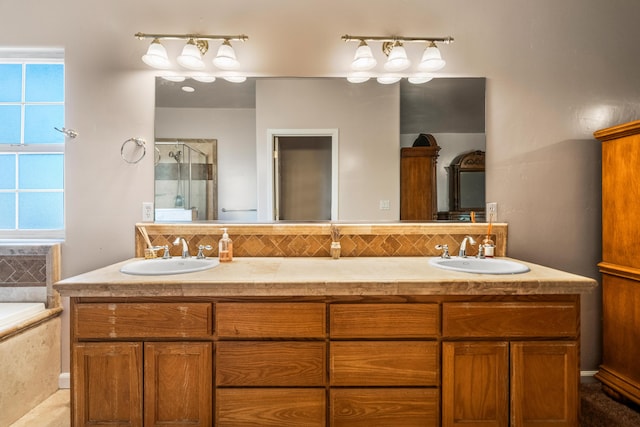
(620, 266)
(327, 361)
(418, 187)
(522, 377)
(121, 382)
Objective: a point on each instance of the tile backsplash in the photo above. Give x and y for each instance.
(314, 240)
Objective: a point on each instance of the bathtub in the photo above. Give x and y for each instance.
(14, 314)
(29, 357)
(30, 326)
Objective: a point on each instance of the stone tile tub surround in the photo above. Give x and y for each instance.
(314, 239)
(29, 349)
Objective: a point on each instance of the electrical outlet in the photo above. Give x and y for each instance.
(492, 212)
(384, 205)
(147, 211)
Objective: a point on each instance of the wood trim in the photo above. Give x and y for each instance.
(619, 131)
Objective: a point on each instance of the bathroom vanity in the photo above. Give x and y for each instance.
(306, 341)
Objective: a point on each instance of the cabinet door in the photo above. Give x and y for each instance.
(475, 384)
(544, 383)
(178, 384)
(107, 384)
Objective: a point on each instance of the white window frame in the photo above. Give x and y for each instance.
(34, 56)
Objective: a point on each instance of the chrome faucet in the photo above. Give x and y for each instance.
(463, 246)
(185, 246)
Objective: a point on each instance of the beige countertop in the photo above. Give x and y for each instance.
(314, 276)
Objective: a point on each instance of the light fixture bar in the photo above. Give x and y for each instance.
(240, 37)
(445, 40)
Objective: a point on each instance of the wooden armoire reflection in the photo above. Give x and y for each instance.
(418, 186)
(620, 266)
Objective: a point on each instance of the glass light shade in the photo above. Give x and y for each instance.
(156, 56)
(363, 60)
(387, 80)
(226, 57)
(190, 57)
(358, 77)
(397, 60)
(235, 79)
(418, 79)
(431, 59)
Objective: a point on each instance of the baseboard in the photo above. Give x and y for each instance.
(64, 380)
(588, 376)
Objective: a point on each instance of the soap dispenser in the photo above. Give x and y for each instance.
(225, 247)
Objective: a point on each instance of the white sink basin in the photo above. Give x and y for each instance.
(175, 265)
(479, 266)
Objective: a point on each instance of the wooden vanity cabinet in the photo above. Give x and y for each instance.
(510, 363)
(326, 361)
(130, 369)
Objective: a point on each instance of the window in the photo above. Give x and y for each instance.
(31, 150)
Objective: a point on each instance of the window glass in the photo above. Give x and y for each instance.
(44, 83)
(39, 211)
(7, 171)
(10, 124)
(7, 211)
(41, 171)
(39, 124)
(10, 82)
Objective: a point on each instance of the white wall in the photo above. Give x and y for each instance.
(556, 71)
(367, 118)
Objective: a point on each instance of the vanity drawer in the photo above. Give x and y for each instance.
(510, 319)
(282, 407)
(383, 320)
(383, 363)
(404, 407)
(271, 320)
(250, 363)
(138, 320)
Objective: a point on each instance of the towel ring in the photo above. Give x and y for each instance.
(139, 142)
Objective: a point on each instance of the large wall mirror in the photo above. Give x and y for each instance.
(370, 123)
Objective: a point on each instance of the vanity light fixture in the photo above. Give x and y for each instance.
(196, 47)
(397, 59)
(191, 56)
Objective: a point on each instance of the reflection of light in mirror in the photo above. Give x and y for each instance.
(419, 79)
(358, 77)
(387, 80)
(188, 89)
(595, 117)
(204, 78)
(173, 78)
(235, 79)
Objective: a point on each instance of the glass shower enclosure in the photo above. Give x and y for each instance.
(184, 185)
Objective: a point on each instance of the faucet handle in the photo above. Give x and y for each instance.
(445, 250)
(201, 249)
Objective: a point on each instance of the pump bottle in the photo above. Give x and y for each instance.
(225, 247)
